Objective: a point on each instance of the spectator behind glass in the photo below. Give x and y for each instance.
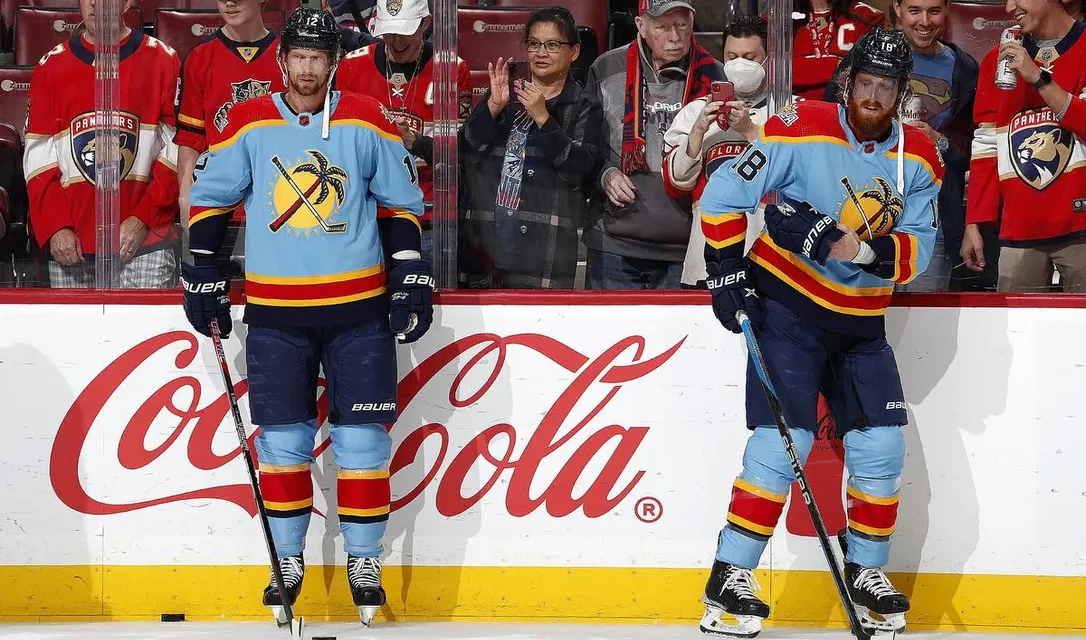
(59, 159)
(398, 72)
(1027, 176)
(530, 162)
(825, 31)
(943, 86)
(239, 62)
(696, 146)
(637, 234)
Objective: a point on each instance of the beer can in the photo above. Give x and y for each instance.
(1007, 78)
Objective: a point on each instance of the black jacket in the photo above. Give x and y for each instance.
(535, 246)
(959, 132)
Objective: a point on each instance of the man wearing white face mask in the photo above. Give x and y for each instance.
(696, 145)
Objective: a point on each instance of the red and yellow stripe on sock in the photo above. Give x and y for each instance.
(871, 516)
(364, 496)
(755, 510)
(287, 490)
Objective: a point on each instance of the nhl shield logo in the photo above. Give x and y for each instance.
(1040, 148)
(83, 145)
(394, 7)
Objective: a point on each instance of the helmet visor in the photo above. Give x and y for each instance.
(869, 87)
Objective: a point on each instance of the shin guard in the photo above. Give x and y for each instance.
(285, 453)
(874, 457)
(362, 453)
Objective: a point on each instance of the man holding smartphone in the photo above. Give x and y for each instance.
(711, 130)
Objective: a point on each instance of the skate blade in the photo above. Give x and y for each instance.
(719, 622)
(876, 624)
(366, 614)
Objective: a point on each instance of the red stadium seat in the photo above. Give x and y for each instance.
(14, 93)
(480, 83)
(11, 140)
(588, 13)
(7, 19)
(183, 29)
(976, 27)
(487, 33)
(39, 29)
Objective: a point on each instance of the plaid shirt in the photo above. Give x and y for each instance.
(533, 246)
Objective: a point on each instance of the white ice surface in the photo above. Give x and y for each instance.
(430, 631)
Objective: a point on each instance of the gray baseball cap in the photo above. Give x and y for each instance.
(657, 8)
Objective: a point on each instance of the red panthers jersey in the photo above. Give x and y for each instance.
(60, 138)
(217, 74)
(820, 44)
(1028, 168)
(406, 91)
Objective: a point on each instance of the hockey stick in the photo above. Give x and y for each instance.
(334, 227)
(801, 476)
(246, 453)
(859, 207)
(278, 223)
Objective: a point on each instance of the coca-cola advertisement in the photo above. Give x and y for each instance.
(535, 436)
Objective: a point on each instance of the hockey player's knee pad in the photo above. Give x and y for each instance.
(362, 453)
(361, 446)
(285, 452)
(760, 491)
(875, 457)
(286, 444)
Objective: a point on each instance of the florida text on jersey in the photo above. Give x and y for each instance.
(322, 215)
(809, 153)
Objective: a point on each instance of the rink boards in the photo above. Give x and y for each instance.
(560, 462)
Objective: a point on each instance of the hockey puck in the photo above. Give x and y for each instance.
(173, 617)
(324, 638)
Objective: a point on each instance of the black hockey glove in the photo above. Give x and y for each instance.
(412, 306)
(206, 297)
(800, 228)
(733, 291)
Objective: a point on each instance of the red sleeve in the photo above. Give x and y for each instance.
(191, 116)
(463, 90)
(1074, 119)
(158, 206)
(50, 210)
(983, 193)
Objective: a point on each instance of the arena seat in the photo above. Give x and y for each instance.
(183, 29)
(593, 14)
(39, 29)
(976, 26)
(489, 32)
(480, 83)
(14, 93)
(7, 19)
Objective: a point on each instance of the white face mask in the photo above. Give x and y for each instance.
(746, 75)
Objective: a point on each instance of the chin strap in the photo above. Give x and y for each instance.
(901, 159)
(327, 102)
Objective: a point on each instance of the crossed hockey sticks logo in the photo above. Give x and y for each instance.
(328, 179)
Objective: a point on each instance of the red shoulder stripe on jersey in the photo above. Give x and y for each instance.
(355, 108)
(805, 118)
(255, 113)
(920, 148)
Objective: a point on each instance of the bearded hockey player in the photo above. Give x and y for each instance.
(332, 228)
(859, 216)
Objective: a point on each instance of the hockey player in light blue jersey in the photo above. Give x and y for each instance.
(332, 273)
(859, 215)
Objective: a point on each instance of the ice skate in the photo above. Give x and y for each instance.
(293, 570)
(879, 605)
(731, 606)
(364, 576)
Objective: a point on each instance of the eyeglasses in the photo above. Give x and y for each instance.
(552, 46)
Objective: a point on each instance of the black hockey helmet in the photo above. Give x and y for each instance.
(310, 29)
(882, 52)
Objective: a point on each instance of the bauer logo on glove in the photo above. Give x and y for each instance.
(800, 228)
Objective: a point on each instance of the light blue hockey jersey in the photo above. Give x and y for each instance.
(809, 153)
(316, 209)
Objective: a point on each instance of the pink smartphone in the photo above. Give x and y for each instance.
(722, 92)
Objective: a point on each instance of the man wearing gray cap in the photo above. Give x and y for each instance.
(636, 234)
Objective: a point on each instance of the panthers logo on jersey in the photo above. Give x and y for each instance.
(240, 92)
(872, 211)
(82, 131)
(1040, 149)
(308, 195)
